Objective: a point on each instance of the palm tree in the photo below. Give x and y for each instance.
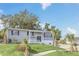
(47, 26)
(71, 38)
(5, 19)
(53, 35)
(3, 35)
(56, 34)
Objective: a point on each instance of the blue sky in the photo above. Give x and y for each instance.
(63, 16)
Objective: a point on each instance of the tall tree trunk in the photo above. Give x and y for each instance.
(26, 52)
(75, 46)
(5, 38)
(55, 42)
(72, 48)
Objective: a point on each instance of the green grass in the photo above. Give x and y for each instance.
(36, 48)
(10, 49)
(63, 53)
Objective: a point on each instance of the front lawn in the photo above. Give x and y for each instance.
(36, 48)
(10, 49)
(63, 53)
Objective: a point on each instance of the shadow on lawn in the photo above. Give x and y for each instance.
(33, 51)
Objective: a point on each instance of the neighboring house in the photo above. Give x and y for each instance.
(33, 36)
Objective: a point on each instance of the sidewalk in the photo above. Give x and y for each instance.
(44, 53)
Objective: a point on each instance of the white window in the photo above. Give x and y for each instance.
(47, 34)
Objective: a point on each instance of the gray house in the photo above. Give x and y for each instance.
(33, 36)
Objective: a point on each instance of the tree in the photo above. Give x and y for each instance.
(38, 26)
(23, 20)
(56, 34)
(71, 38)
(5, 19)
(3, 35)
(47, 26)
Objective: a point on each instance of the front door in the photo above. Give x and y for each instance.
(39, 38)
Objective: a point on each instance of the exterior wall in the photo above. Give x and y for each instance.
(48, 39)
(45, 40)
(22, 35)
(31, 38)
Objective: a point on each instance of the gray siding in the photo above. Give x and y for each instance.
(31, 38)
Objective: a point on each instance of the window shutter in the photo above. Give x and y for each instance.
(18, 32)
(11, 32)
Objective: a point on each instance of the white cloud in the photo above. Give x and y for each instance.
(71, 30)
(45, 5)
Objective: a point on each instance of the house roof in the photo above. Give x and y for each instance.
(28, 30)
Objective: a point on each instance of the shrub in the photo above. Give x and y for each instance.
(26, 52)
(21, 47)
(24, 47)
(25, 41)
